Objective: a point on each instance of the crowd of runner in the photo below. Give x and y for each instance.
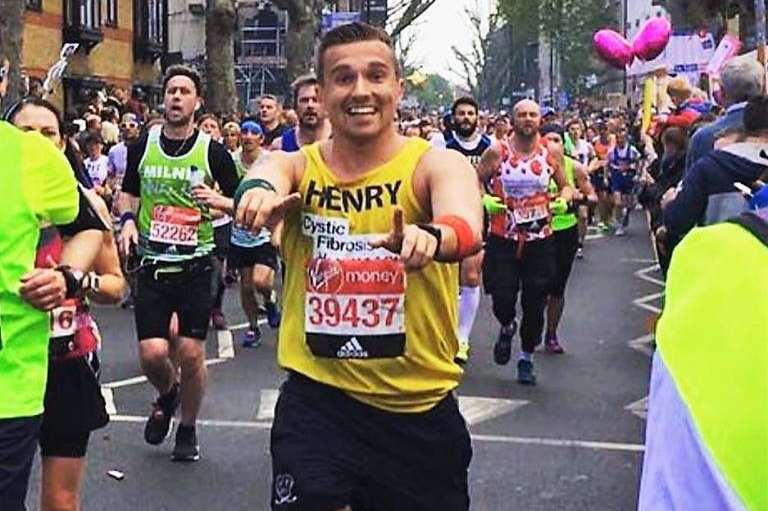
(375, 223)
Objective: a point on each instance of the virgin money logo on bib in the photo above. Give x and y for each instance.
(324, 275)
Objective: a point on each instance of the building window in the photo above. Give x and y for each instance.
(35, 5)
(110, 13)
(83, 22)
(150, 28)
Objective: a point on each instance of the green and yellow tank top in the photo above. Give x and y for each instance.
(353, 317)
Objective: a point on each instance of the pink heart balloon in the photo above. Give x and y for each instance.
(652, 38)
(613, 48)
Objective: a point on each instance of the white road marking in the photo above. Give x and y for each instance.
(560, 442)
(590, 237)
(474, 409)
(639, 408)
(109, 400)
(267, 404)
(141, 379)
(642, 302)
(478, 409)
(243, 326)
(226, 346)
(550, 442)
(643, 344)
(643, 275)
(636, 260)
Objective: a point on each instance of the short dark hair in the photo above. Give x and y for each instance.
(355, 32)
(207, 116)
(464, 100)
(756, 115)
(308, 80)
(182, 70)
(677, 137)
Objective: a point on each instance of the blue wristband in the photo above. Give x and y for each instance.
(127, 216)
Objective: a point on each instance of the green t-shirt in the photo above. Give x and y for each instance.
(566, 220)
(172, 226)
(38, 186)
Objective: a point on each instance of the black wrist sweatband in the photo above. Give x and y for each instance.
(434, 231)
(259, 183)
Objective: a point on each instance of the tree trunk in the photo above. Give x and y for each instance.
(11, 36)
(304, 17)
(220, 26)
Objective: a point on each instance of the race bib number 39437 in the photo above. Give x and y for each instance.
(355, 308)
(174, 225)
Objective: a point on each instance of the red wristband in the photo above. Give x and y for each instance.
(465, 238)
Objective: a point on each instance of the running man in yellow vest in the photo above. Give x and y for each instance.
(374, 224)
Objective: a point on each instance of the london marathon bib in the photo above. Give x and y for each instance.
(173, 225)
(354, 306)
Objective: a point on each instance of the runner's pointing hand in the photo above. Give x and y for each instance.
(415, 246)
(259, 208)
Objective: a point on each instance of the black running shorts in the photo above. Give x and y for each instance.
(330, 451)
(221, 235)
(74, 407)
(264, 255)
(159, 293)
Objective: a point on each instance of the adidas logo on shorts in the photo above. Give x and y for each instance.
(352, 349)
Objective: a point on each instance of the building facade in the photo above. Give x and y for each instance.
(121, 43)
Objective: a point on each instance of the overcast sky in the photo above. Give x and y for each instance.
(442, 26)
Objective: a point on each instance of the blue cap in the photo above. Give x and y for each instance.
(251, 127)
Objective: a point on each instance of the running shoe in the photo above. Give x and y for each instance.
(579, 253)
(251, 338)
(230, 277)
(462, 356)
(502, 350)
(218, 320)
(619, 231)
(273, 314)
(161, 419)
(525, 374)
(603, 226)
(551, 345)
(186, 448)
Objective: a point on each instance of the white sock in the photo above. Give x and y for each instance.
(469, 301)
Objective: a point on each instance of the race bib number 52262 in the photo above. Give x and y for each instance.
(355, 308)
(173, 225)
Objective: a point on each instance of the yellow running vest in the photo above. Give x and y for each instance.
(353, 318)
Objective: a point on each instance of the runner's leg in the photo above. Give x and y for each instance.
(194, 376)
(469, 300)
(61, 482)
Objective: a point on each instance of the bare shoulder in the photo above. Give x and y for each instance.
(438, 160)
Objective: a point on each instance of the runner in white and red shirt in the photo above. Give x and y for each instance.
(520, 254)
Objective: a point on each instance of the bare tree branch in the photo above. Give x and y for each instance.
(413, 10)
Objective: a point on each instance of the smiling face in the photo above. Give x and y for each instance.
(361, 89)
(180, 100)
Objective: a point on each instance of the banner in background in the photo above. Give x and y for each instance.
(729, 47)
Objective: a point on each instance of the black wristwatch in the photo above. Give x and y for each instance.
(76, 280)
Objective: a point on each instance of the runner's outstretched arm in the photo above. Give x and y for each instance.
(277, 178)
(453, 196)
